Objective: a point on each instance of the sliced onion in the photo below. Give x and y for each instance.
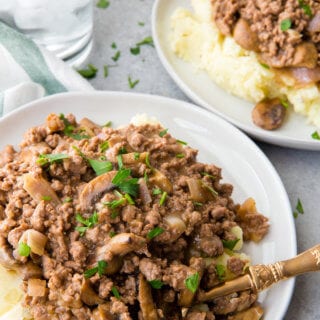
(176, 225)
(35, 240)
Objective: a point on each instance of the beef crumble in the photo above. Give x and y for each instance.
(106, 223)
(283, 33)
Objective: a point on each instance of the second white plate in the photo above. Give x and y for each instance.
(295, 133)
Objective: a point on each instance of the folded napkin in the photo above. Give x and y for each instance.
(29, 72)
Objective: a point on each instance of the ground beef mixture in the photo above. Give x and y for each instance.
(106, 223)
(285, 33)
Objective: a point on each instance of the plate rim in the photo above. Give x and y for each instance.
(183, 104)
(265, 136)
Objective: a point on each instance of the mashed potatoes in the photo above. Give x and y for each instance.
(10, 295)
(195, 39)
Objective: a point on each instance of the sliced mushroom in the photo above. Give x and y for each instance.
(122, 244)
(144, 192)
(149, 312)
(102, 312)
(35, 240)
(89, 126)
(36, 288)
(306, 55)
(88, 295)
(113, 265)
(161, 181)
(253, 313)
(39, 188)
(133, 157)
(244, 36)
(269, 114)
(95, 188)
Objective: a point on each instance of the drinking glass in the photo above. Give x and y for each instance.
(62, 26)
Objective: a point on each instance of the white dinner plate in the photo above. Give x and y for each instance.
(198, 86)
(243, 163)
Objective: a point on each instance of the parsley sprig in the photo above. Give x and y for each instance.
(192, 282)
(87, 223)
(100, 167)
(70, 131)
(45, 159)
(126, 184)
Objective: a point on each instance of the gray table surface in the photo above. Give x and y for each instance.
(299, 170)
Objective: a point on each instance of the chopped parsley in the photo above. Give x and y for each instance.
(154, 232)
(112, 234)
(220, 271)
(264, 65)
(44, 159)
(192, 282)
(24, 250)
(126, 184)
(197, 204)
(129, 199)
(136, 156)
(182, 142)
(305, 7)
(67, 200)
(104, 146)
(115, 292)
(89, 72)
(103, 4)
(132, 83)
(180, 155)
(163, 132)
(148, 160)
(299, 209)
(120, 161)
(163, 198)
(206, 174)
(116, 56)
(105, 70)
(87, 223)
(230, 244)
(114, 204)
(141, 24)
(100, 167)
(156, 191)
(146, 41)
(69, 130)
(315, 135)
(46, 198)
(285, 24)
(108, 124)
(122, 150)
(214, 192)
(114, 45)
(285, 103)
(156, 284)
(100, 268)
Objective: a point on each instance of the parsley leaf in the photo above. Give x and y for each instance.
(146, 41)
(163, 132)
(156, 284)
(103, 4)
(306, 8)
(89, 72)
(100, 268)
(156, 191)
(285, 24)
(116, 56)
(115, 292)
(163, 198)
(51, 158)
(88, 223)
(221, 271)
(299, 209)
(315, 135)
(230, 244)
(154, 232)
(114, 45)
(69, 129)
(192, 282)
(23, 249)
(126, 184)
(141, 24)
(180, 155)
(100, 167)
(132, 83)
(135, 50)
(104, 146)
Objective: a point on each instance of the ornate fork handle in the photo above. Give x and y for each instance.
(260, 277)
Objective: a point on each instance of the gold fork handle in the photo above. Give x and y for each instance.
(263, 276)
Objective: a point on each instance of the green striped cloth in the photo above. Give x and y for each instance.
(29, 72)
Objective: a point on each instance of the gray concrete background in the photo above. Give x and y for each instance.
(299, 170)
